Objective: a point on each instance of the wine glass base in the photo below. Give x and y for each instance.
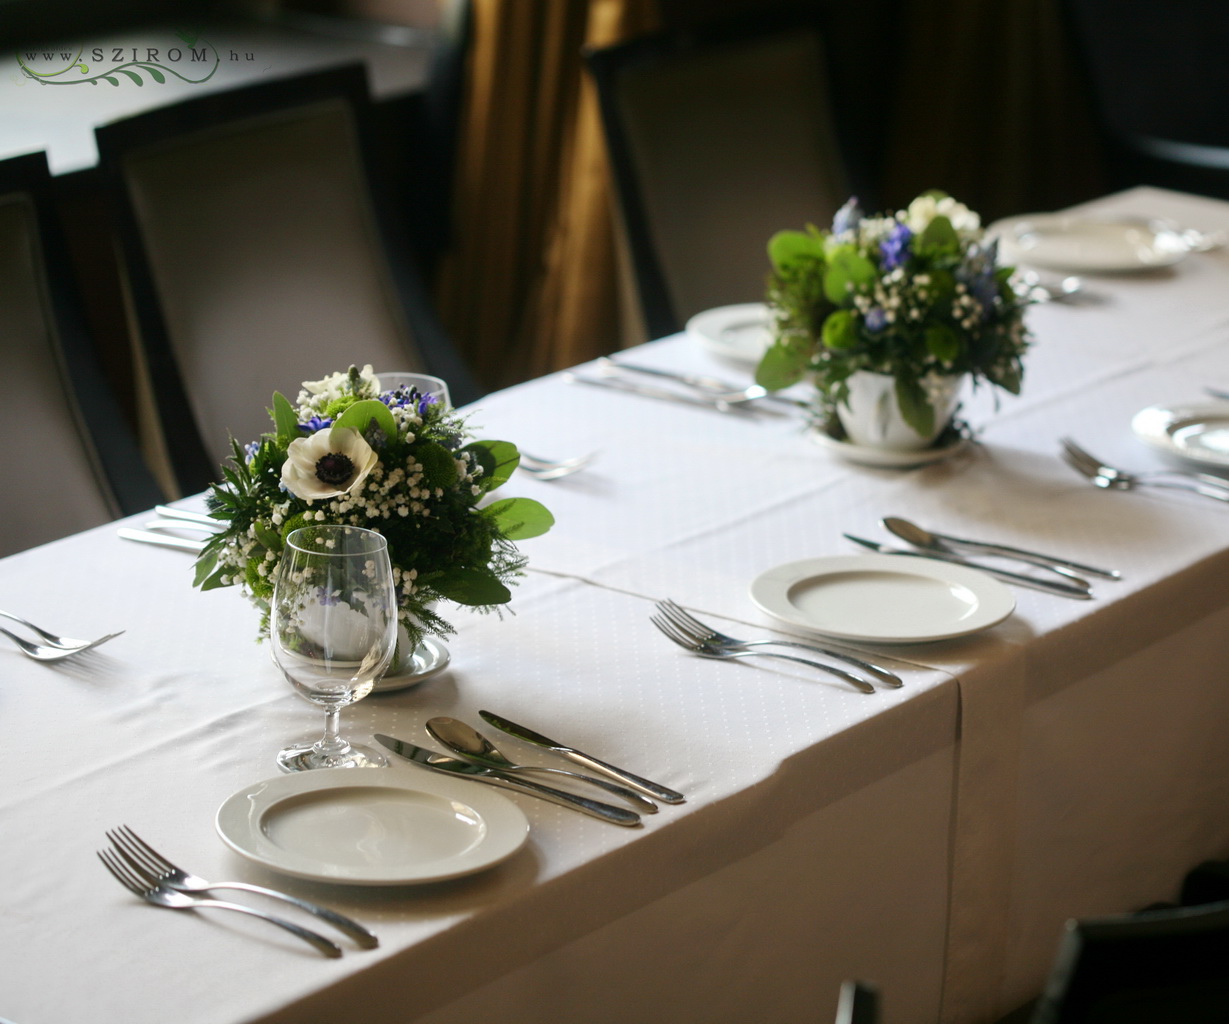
(304, 758)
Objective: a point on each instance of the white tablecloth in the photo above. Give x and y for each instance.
(931, 839)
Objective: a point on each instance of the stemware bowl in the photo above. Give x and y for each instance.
(424, 383)
(333, 629)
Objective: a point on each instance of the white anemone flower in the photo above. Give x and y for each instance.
(330, 463)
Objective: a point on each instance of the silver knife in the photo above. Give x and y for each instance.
(647, 391)
(187, 515)
(653, 789)
(894, 524)
(709, 386)
(1055, 587)
(159, 540)
(463, 769)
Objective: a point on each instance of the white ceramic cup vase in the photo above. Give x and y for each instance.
(872, 418)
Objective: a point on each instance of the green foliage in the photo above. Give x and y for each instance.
(875, 296)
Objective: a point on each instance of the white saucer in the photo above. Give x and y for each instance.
(370, 826)
(741, 332)
(1198, 432)
(949, 444)
(882, 598)
(1088, 244)
(429, 658)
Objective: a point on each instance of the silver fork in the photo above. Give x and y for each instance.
(160, 896)
(162, 872)
(48, 652)
(65, 643)
(1115, 479)
(688, 643)
(689, 625)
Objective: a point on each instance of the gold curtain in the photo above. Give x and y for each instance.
(530, 284)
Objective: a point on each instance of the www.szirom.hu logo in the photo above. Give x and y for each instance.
(185, 56)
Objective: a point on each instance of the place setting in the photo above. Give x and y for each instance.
(1113, 478)
(48, 646)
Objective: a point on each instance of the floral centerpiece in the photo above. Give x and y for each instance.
(916, 295)
(397, 462)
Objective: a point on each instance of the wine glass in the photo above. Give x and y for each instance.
(423, 383)
(333, 626)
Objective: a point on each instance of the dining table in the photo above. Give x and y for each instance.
(931, 839)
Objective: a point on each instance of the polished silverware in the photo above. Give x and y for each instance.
(161, 896)
(1220, 393)
(191, 525)
(1039, 288)
(471, 745)
(552, 469)
(931, 540)
(160, 871)
(64, 643)
(159, 540)
(468, 770)
(704, 633)
(1112, 478)
(701, 382)
(188, 516)
(521, 732)
(1068, 589)
(689, 643)
(665, 394)
(48, 652)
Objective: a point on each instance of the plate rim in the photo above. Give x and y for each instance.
(1005, 231)
(507, 825)
(1161, 415)
(986, 587)
(695, 328)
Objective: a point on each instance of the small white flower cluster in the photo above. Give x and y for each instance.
(926, 208)
(317, 394)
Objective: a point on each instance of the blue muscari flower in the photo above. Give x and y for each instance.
(315, 424)
(978, 276)
(895, 248)
(876, 319)
(848, 217)
(424, 404)
(249, 451)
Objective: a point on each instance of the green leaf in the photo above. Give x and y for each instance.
(938, 239)
(155, 74)
(942, 342)
(285, 419)
(439, 465)
(786, 247)
(361, 414)
(498, 460)
(520, 518)
(783, 364)
(474, 587)
(270, 538)
(111, 79)
(840, 330)
(133, 75)
(914, 406)
(206, 562)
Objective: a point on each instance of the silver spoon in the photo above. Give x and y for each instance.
(922, 538)
(476, 748)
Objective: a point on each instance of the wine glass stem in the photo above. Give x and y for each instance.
(331, 744)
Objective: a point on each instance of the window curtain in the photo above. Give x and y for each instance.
(530, 283)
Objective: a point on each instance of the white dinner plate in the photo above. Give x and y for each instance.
(742, 332)
(370, 826)
(893, 599)
(1088, 244)
(1198, 432)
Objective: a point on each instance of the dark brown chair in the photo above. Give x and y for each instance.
(718, 137)
(259, 254)
(73, 461)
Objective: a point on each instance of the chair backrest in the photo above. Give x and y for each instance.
(1160, 965)
(718, 137)
(1159, 82)
(858, 1003)
(258, 257)
(75, 462)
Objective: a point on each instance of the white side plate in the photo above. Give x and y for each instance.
(1088, 244)
(883, 598)
(741, 332)
(369, 826)
(1198, 432)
